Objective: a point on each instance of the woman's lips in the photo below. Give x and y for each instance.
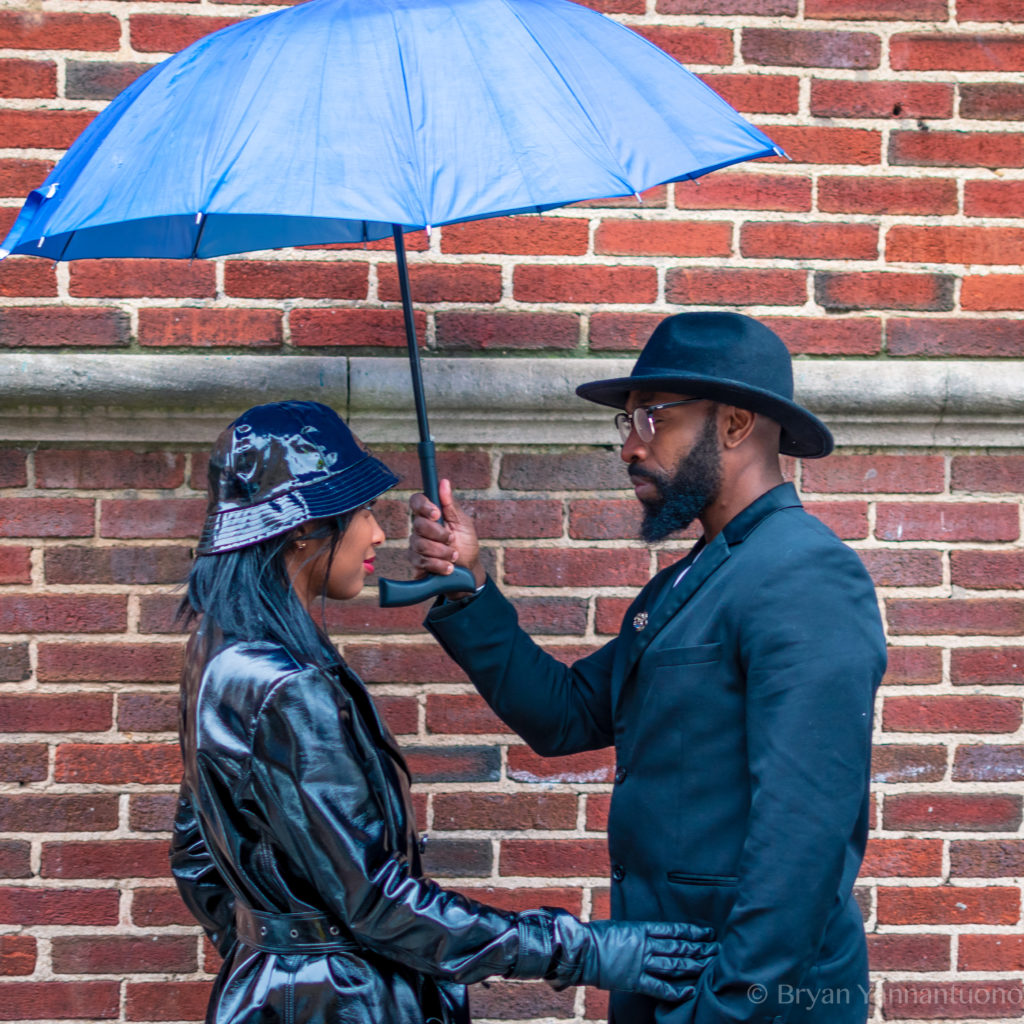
(368, 565)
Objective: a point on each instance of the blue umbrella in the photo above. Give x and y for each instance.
(351, 120)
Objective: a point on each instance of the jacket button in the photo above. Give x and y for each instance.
(618, 872)
(620, 775)
(422, 844)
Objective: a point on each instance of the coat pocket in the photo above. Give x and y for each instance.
(690, 878)
(697, 655)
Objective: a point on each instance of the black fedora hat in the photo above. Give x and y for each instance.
(726, 357)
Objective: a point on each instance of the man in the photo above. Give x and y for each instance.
(738, 693)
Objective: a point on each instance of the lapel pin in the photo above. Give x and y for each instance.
(639, 621)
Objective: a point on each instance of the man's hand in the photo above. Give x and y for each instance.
(443, 537)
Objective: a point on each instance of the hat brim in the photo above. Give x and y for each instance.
(353, 487)
(803, 436)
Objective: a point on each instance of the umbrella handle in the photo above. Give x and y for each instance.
(399, 593)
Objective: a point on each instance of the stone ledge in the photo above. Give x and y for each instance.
(188, 398)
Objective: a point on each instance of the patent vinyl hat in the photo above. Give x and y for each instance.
(280, 465)
(726, 357)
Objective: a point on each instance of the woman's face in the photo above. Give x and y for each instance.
(353, 561)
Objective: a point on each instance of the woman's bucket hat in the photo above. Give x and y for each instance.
(726, 357)
(280, 465)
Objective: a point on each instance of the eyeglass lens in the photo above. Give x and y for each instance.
(639, 420)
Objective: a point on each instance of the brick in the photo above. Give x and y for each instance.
(459, 858)
(956, 52)
(27, 79)
(902, 858)
(124, 954)
(32, 613)
(825, 336)
(604, 519)
(921, 1000)
(54, 713)
(839, 98)
(988, 10)
(598, 808)
(46, 517)
(987, 473)
(280, 279)
(568, 471)
(400, 713)
(363, 615)
(593, 766)
(112, 763)
(553, 858)
(809, 241)
(951, 714)
(739, 190)
(552, 615)
(64, 812)
(509, 1000)
(12, 467)
(909, 952)
(986, 570)
(352, 328)
(986, 858)
(916, 195)
(992, 292)
(993, 198)
(110, 662)
(984, 763)
(405, 663)
(167, 33)
(808, 48)
(999, 952)
(17, 177)
(650, 198)
(33, 906)
(15, 564)
(23, 276)
(846, 293)
(44, 129)
(145, 712)
(23, 762)
(15, 855)
(687, 45)
(521, 236)
(764, 8)
(617, 6)
(14, 663)
(878, 10)
(99, 79)
(504, 811)
(453, 764)
(36, 30)
(662, 238)
(156, 908)
(152, 812)
(59, 327)
(987, 666)
(585, 284)
(955, 337)
(120, 858)
(609, 614)
(487, 331)
(756, 94)
(142, 278)
(908, 762)
(816, 144)
(461, 713)
(577, 567)
(947, 521)
(17, 955)
(948, 905)
(847, 519)
(166, 1000)
(51, 1000)
(150, 564)
(466, 469)
(903, 568)
(876, 473)
(621, 332)
(992, 101)
(149, 518)
(956, 149)
(736, 287)
(515, 518)
(996, 245)
(210, 328)
(158, 613)
(84, 469)
(952, 812)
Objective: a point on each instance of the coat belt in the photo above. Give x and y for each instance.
(290, 933)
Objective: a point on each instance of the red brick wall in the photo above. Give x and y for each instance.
(895, 232)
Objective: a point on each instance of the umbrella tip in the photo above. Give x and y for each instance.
(4, 253)
(639, 198)
(428, 228)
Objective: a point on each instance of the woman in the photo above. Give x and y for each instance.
(294, 844)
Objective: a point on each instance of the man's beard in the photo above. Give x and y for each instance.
(683, 496)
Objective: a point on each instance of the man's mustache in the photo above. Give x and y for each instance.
(639, 473)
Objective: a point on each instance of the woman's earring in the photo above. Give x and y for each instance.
(301, 545)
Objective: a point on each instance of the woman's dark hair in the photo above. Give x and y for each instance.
(247, 595)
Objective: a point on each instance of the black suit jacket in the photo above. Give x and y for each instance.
(739, 701)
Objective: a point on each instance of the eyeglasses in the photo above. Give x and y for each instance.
(641, 419)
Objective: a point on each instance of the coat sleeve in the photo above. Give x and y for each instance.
(813, 652)
(557, 709)
(200, 884)
(314, 781)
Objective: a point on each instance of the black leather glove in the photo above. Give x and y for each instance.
(657, 959)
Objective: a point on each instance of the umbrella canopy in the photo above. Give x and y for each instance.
(334, 120)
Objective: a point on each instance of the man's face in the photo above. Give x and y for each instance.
(678, 473)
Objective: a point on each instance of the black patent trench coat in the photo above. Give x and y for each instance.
(295, 801)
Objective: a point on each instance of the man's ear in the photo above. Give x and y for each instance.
(737, 425)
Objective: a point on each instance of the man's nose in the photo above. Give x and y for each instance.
(633, 449)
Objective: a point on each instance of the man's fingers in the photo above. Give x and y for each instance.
(679, 947)
(665, 990)
(421, 505)
(680, 930)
